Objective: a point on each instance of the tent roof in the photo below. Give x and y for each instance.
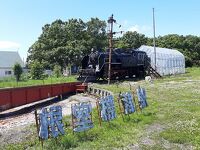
(150, 50)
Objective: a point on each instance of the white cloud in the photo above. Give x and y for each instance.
(134, 28)
(140, 29)
(124, 23)
(9, 45)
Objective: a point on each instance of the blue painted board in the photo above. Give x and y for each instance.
(81, 113)
(127, 102)
(107, 108)
(50, 122)
(141, 93)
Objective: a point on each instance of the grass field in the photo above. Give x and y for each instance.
(11, 82)
(172, 120)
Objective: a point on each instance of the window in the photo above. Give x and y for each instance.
(8, 72)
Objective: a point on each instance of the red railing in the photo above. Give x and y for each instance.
(13, 97)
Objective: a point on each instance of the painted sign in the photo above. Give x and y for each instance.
(81, 116)
(127, 103)
(141, 93)
(107, 108)
(50, 122)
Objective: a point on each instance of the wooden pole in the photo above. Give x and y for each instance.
(72, 120)
(110, 21)
(99, 114)
(37, 126)
(154, 39)
(120, 107)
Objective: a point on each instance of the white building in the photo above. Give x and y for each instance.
(168, 61)
(7, 61)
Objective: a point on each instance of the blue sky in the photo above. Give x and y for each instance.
(21, 21)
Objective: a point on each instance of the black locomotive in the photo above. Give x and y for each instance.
(125, 63)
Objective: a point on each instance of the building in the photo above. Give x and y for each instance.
(168, 61)
(7, 61)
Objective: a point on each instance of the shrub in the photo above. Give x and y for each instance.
(37, 70)
(17, 69)
(57, 71)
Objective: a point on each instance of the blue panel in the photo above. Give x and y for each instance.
(43, 130)
(141, 93)
(51, 122)
(82, 116)
(127, 102)
(107, 108)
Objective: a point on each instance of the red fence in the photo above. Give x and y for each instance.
(13, 97)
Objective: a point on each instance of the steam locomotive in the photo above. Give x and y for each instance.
(124, 63)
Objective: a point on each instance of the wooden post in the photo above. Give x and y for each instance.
(72, 120)
(99, 114)
(91, 113)
(120, 107)
(37, 126)
(110, 21)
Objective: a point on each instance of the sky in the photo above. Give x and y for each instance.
(21, 21)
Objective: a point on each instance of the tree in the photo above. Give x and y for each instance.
(17, 69)
(188, 45)
(36, 70)
(66, 42)
(57, 71)
(131, 40)
(96, 34)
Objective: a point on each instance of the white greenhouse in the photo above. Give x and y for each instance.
(168, 61)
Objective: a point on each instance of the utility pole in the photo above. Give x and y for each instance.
(110, 21)
(154, 39)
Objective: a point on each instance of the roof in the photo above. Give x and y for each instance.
(150, 50)
(9, 58)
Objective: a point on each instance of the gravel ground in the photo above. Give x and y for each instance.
(18, 125)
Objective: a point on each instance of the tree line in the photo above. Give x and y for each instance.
(64, 43)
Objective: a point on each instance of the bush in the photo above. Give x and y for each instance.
(17, 69)
(57, 71)
(37, 70)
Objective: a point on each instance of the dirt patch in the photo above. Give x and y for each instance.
(151, 130)
(16, 129)
(150, 140)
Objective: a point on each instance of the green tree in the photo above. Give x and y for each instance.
(17, 69)
(131, 40)
(66, 42)
(188, 45)
(57, 71)
(96, 34)
(36, 70)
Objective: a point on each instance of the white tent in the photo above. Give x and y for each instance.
(168, 61)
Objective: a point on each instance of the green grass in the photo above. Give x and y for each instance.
(11, 82)
(174, 103)
(117, 133)
(178, 100)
